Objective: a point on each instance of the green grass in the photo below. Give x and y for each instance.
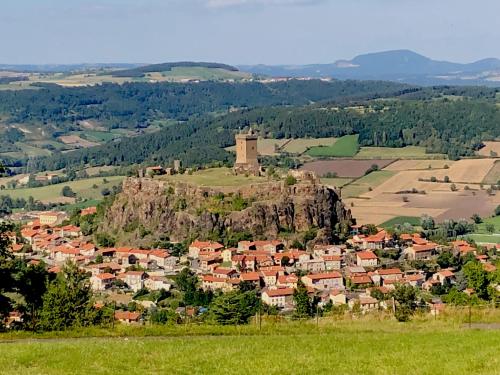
(215, 177)
(409, 152)
(336, 181)
(481, 235)
(98, 136)
(346, 146)
(179, 73)
(300, 145)
(362, 185)
(400, 220)
(52, 193)
(80, 205)
(484, 238)
(369, 347)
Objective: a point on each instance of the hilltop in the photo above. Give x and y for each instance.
(399, 65)
(258, 209)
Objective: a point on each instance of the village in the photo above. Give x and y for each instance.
(357, 274)
(351, 274)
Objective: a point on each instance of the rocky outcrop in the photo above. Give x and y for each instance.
(182, 211)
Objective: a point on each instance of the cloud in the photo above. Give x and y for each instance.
(235, 3)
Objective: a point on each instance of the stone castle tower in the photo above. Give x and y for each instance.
(246, 154)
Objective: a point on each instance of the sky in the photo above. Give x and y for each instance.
(243, 31)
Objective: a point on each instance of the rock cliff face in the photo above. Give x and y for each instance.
(182, 211)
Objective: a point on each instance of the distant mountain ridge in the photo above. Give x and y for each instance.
(399, 65)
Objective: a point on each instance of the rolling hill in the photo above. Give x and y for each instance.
(400, 65)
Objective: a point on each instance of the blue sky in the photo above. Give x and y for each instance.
(244, 31)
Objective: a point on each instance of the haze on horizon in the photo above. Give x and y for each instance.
(244, 31)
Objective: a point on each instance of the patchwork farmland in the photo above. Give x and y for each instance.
(454, 191)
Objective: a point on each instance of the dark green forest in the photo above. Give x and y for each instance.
(442, 126)
(450, 120)
(136, 105)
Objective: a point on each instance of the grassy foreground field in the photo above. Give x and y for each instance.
(356, 347)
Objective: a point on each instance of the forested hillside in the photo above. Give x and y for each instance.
(133, 105)
(454, 127)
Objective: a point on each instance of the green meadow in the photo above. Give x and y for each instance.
(346, 146)
(355, 347)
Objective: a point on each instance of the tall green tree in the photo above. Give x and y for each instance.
(303, 304)
(405, 297)
(477, 278)
(68, 302)
(6, 280)
(235, 307)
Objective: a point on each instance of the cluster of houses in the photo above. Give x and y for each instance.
(337, 274)
(345, 274)
(45, 239)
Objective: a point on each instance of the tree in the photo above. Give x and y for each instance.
(6, 279)
(497, 210)
(246, 286)
(105, 240)
(427, 222)
(68, 192)
(405, 296)
(235, 307)
(447, 259)
(31, 282)
(476, 219)
(285, 261)
(68, 301)
(477, 278)
(303, 305)
(163, 316)
(490, 228)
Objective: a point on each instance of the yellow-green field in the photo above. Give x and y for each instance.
(52, 193)
(409, 152)
(335, 181)
(215, 177)
(363, 184)
(356, 347)
(300, 145)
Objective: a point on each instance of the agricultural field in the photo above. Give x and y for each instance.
(417, 165)
(490, 149)
(401, 220)
(76, 141)
(409, 152)
(52, 193)
(346, 146)
(336, 181)
(344, 167)
(362, 185)
(482, 235)
(220, 177)
(301, 145)
(410, 192)
(493, 175)
(304, 349)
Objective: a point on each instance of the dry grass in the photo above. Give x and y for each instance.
(490, 146)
